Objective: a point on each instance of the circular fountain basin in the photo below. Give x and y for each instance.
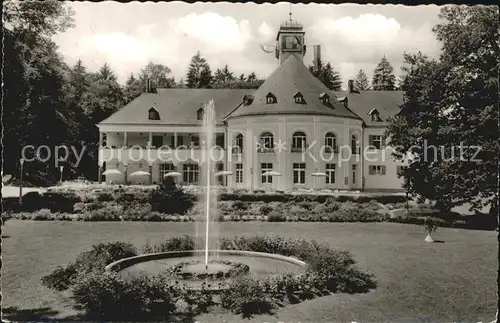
(260, 265)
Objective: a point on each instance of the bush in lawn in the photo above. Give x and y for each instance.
(87, 262)
(171, 200)
(172, 244)
(105, 197)
(240, 205)
(42, 215)
(59, 202)
(246, 296)
(276, 217)
(136, 211)
(265, 209)
(109, 212)
(109, 297)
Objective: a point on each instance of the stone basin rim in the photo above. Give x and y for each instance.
(130, 261)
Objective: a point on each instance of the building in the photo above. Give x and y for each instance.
(292, 125)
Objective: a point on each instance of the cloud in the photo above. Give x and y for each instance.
(215, 31)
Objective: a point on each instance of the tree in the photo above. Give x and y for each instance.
(199, 73)
(383, 76)
(222, 77)
(133, 88)
(158, 74)
(327, 75)
(452, 103)
(361, 82)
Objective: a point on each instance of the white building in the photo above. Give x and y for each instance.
(293, 125)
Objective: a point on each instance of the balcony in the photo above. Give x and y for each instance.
(265, 150)
(331, 150)
(298, 149)
(136, 153)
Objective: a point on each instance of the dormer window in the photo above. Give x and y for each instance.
(325, 98)
(247, 99)
(199, 114)
(153, 114)
(375, 115)
(299, 98)
(270, 98)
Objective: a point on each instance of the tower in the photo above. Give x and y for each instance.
(290, 40)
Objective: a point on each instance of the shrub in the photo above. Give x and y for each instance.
(240, 205)
(246, 296)
(171, 200)
(276, 217)
(137, 211)
(59, 202)
(107, 296)
(105, 197)
(42, 215)
(109, 212)
(174, 244)
(87, 262)
(265, 209)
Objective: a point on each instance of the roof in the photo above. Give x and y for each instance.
(385, 102)
(290, 77)
(177, 106)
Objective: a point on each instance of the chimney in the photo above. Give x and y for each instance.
(317, 57)
(351, 86)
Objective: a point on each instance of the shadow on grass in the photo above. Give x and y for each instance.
(33, 314)
(47, 314)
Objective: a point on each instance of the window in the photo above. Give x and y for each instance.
(199, 114)
(191, 173)
(298, 141)
(219, 140)
(239, 173)
(299, 98)
(238, 142)
(325, 98)
(330, 142)
(400, 170)
(270, 98)
(153, 114)
(354, 145)
(299, 173)
(266, 167)
(375, 115)
(220, 168)
(247, 99)
(266, 142)
(180, 140)
(375, 141)
(330, 173)
(164, 169)
(354, 171)
(195, 141)
(376, 170)
(157, 141)
(104, 139)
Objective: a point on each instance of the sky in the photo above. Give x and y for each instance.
(352, 37)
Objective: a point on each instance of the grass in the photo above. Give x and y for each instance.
(417, 281)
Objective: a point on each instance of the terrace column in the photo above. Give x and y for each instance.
(99, 172)
(344, 154)
(175, 140)
(125, 173)
(100, 139)
(150, 164)
(125, 139)
(150, 143)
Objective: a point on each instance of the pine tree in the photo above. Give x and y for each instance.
(328, 75)
(383, 77)
(158, 74)
(199, 73)
(361, 82)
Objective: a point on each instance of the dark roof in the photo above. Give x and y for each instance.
(177, 106)
(385, 102)
(290, 77)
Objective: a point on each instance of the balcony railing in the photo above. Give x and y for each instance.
(331, 150)
(264, 150)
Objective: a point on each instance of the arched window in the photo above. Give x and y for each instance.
(238, 143)
(354, 145)
(330, 142)
(299, 141)
(153, 114)
(266, 141)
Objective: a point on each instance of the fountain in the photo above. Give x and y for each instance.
(207, 263)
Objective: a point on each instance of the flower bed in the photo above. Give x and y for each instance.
(235, 269)
(107, 296)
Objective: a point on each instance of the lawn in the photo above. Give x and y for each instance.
(417, 281)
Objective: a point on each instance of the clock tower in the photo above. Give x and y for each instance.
(290, 41)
